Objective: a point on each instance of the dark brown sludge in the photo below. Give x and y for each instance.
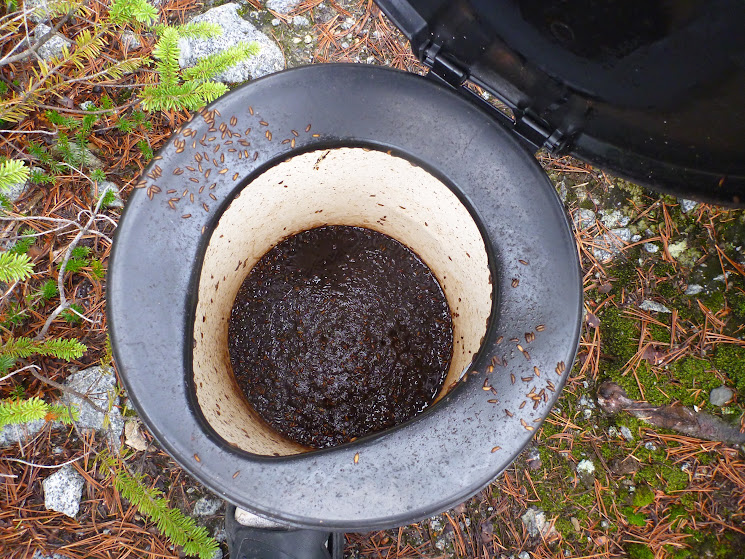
(339, 332)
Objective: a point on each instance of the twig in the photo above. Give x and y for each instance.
(6, 377)
(32, 50)
(64, 303)
(43, 465)
(69, 390)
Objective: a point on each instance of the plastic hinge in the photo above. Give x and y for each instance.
(532, 132)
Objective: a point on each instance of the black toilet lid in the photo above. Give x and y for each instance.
(649, 89)
(447, 453)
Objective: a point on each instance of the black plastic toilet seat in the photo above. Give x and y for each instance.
(447, 453)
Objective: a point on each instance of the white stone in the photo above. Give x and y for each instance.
(62, 491)
(536, 524)
(300, 21)
(693, 289)
(281, 6)
(99, 385)
(626, 433)
(583, 218)
(651, 247)
(610, 244)
(720, 396)
(649, 305)
(207, 506)
(614, 218)
(53, 46)
(235, 30)
(687, 205)
(586, 467)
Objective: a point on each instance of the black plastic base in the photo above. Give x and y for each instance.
(246, 542)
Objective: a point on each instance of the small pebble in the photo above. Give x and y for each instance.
(651, 247)
(649, 305)
(720, 396)
(693, 289)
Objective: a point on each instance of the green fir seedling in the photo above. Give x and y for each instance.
(123, 12)
(15, 267)
(191, 88)
(13, 412)
(180, 529)
(71, 315)
(12, 172)
(22, 348)
(78, 259)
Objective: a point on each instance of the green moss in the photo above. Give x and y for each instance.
(663, 269)
(620, 335)
(564, 526)
(639, 551)
(634, 518)
(668, 290)
(730, 360)
(675, 478)
(643, 496)
(714, 301)
(736, 301)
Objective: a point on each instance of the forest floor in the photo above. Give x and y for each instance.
(664, 322)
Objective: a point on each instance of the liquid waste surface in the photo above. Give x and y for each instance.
(339, 332)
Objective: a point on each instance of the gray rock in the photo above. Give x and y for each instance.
(207, 506)
(651, 247)
(130, 40)
(687, 205)
(281, 6)
(536, 524)
(614, 218)
(62, 491)
(99, 385)
(103, 188)
(15, 191)
(14, 434)
(39, 555)
(523, 555)
(650, 446)
(82, 153)
(53, 47)
(609, 245)
(235, 30)
(583, 219)
(693, 289)
(218, 554)
(649, 305)
(720, 396)
(626, 433)
(39, 10)
(300, 21)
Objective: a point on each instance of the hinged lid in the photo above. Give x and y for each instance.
(651, 90)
